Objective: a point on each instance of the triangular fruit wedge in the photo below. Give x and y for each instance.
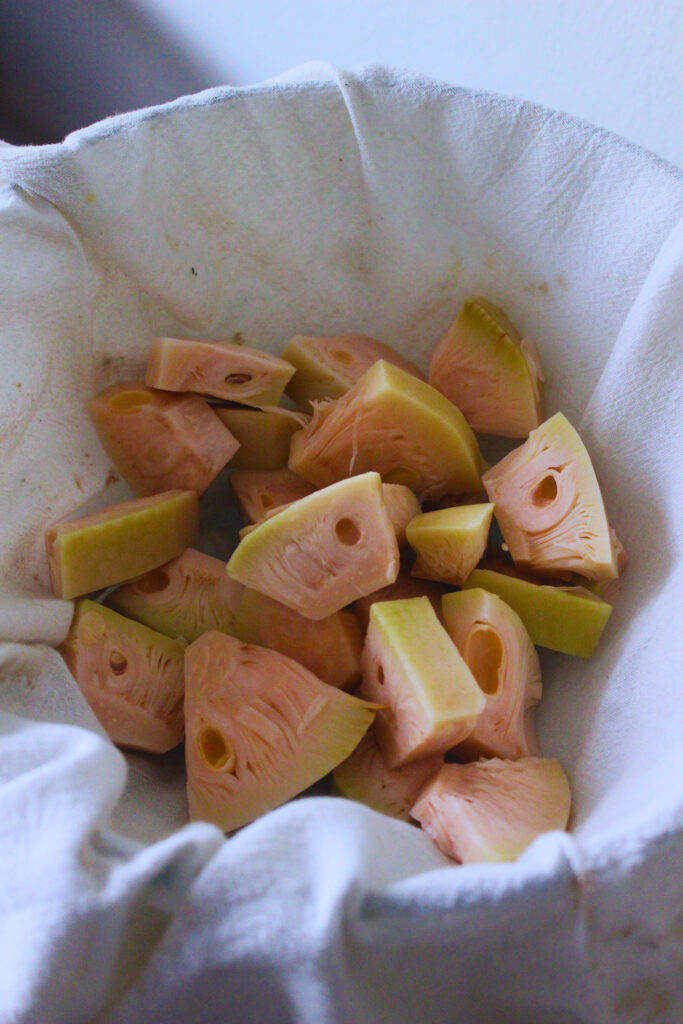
(186, 597)
(263, 434)
(549, 506)
(257, 491)
(395, 424)
(503, 660)
(323, 551)
(326, 367)
(449, 542)
(259, 728)
(131, 676)
(493, 810)
(365, 777)
(411, 665)
(485, 367)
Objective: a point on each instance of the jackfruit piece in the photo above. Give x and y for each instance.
(396, 425)
(493, 810)
(410, 664)
(257, 491)
(326, 367)
(403, 587)
(120, 542)
(484, 366)
(186, 597)
(329, 648)
(565, 619)
(263, 434)
(498, 651)
(161, 442)
(218, 368)
(365, 777)
(322, 551)
(259, 728)
(450, 542)
(402, 506)
(131, 676)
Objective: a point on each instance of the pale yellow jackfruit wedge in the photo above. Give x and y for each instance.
(549, 506)
(131, 676)
(493, 810)
(186, 597)
(329, 648)
(411, 664)
(565, 619)
(449, 542)
(218, 368)
(403, 587)
(395, 424)
(263, 434)
(365, 777)
(323, 551)
(258, 491)
(259, 728)
(499, 652)
(485, 367)
(119, 542)
(326, 367)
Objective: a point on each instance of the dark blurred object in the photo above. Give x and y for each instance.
(67, 63)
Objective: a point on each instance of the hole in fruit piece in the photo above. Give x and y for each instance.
(238, 378)
(267, 500)
(347, 532)
(118, 663)
(130, 401)
(401, 475)
(484, 656)
(380, 674)
(214, 749)
(544, 492)
(153, 582)
(343, 357)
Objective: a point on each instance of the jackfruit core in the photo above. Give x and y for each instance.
(484, 656)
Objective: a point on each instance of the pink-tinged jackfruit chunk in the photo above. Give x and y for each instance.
(186, 597)
(326, 367)
(565, 619)
(493, 810)
(365, 777)
(323, 551)
(329, 648)
(402, 506)
(259, 728)
(263, 435)
(257, 491)
(549, 506)
(403, 587)
(131, 676)
(218, 368)
(450, 542)
(161, 442)
(411, 664)
(501, 657)
(119, 542)
(395, 424)
(489, 371)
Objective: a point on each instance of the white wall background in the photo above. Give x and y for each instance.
(617, 63)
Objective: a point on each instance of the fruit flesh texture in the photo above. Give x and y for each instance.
(364, 776)
(326, 367)
(258, 491)
(119, 542)
(483, 366)
(329, 648)
(131, 676)
(218, 368)
(259, 728)
(323, 551)
(161, 442)
(565, 619)
(549, 506)
(411, 665)
(402, 506)
(499, 652)
(394, 424)
(405, 586)
(450, 542)
(263, 435)
(186, 597)
(493, 810)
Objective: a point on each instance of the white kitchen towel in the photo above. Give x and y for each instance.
(320, 202)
